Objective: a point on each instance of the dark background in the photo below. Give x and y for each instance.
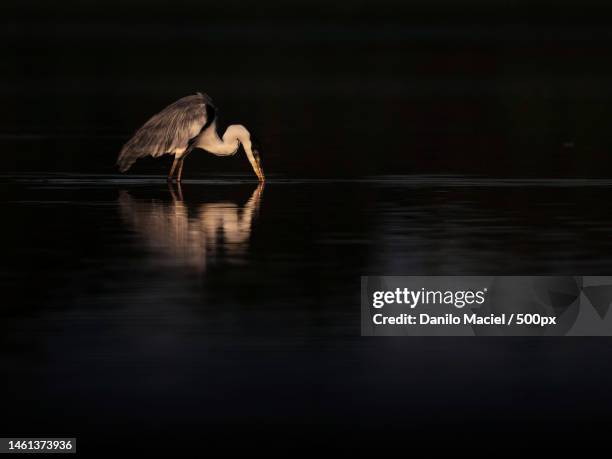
(343, 88)
(114, 340)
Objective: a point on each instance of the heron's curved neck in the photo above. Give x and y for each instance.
(227, 145)
(234, 135)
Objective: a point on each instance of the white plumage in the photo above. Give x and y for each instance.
(186, 124)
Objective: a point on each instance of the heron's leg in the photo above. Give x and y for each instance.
(172, 169)
(180, 171)
(177, 196)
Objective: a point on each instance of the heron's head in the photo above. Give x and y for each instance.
(251, 147)
(253, 153)
(257, 156)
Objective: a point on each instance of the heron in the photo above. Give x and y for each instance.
(181, 127)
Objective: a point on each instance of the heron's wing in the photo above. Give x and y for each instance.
(169, 130)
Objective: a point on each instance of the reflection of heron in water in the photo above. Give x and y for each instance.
(216, 228)
(186, 124)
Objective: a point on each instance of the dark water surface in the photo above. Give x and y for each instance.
(223, 315)
(134, 311)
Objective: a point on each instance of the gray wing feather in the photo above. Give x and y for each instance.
(170, 129)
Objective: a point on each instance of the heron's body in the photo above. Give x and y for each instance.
(186, 124)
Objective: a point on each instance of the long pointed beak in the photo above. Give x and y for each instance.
(253, 156)
(259, 171)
